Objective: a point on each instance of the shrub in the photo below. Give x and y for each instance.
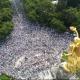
(5, 3)
(6, 14)
(68, 3)
(5, 29)
(32, 15)
(44, 12)
(58, 16)
(6, 24)
(38, 9)
(71, 16)
(71, 3)
(58, 25)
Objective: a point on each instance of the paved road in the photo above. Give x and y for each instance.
(30, 48)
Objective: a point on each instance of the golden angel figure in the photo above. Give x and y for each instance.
(72, 63)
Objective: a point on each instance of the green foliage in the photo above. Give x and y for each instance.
(60, 16)
(57, 24)
(32, 15)
(64, 56)
(69, 3)
(5, 77)
(62, 4)
(6, 24)
(70, 12)
(5, 29)
(71, 16)
(6, 14)
(36, 9)
(4, 4)
(44, 12)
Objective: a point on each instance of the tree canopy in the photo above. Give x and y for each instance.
(59, 16)
(6, 24)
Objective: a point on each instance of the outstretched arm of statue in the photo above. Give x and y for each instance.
(74, 30)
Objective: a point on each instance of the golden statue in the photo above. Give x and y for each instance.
(72, 62)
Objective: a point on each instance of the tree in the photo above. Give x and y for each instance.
(58, 25)
(70, 3)
(44, 12)
(6, 24)
(71, 17)
(73, 3)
